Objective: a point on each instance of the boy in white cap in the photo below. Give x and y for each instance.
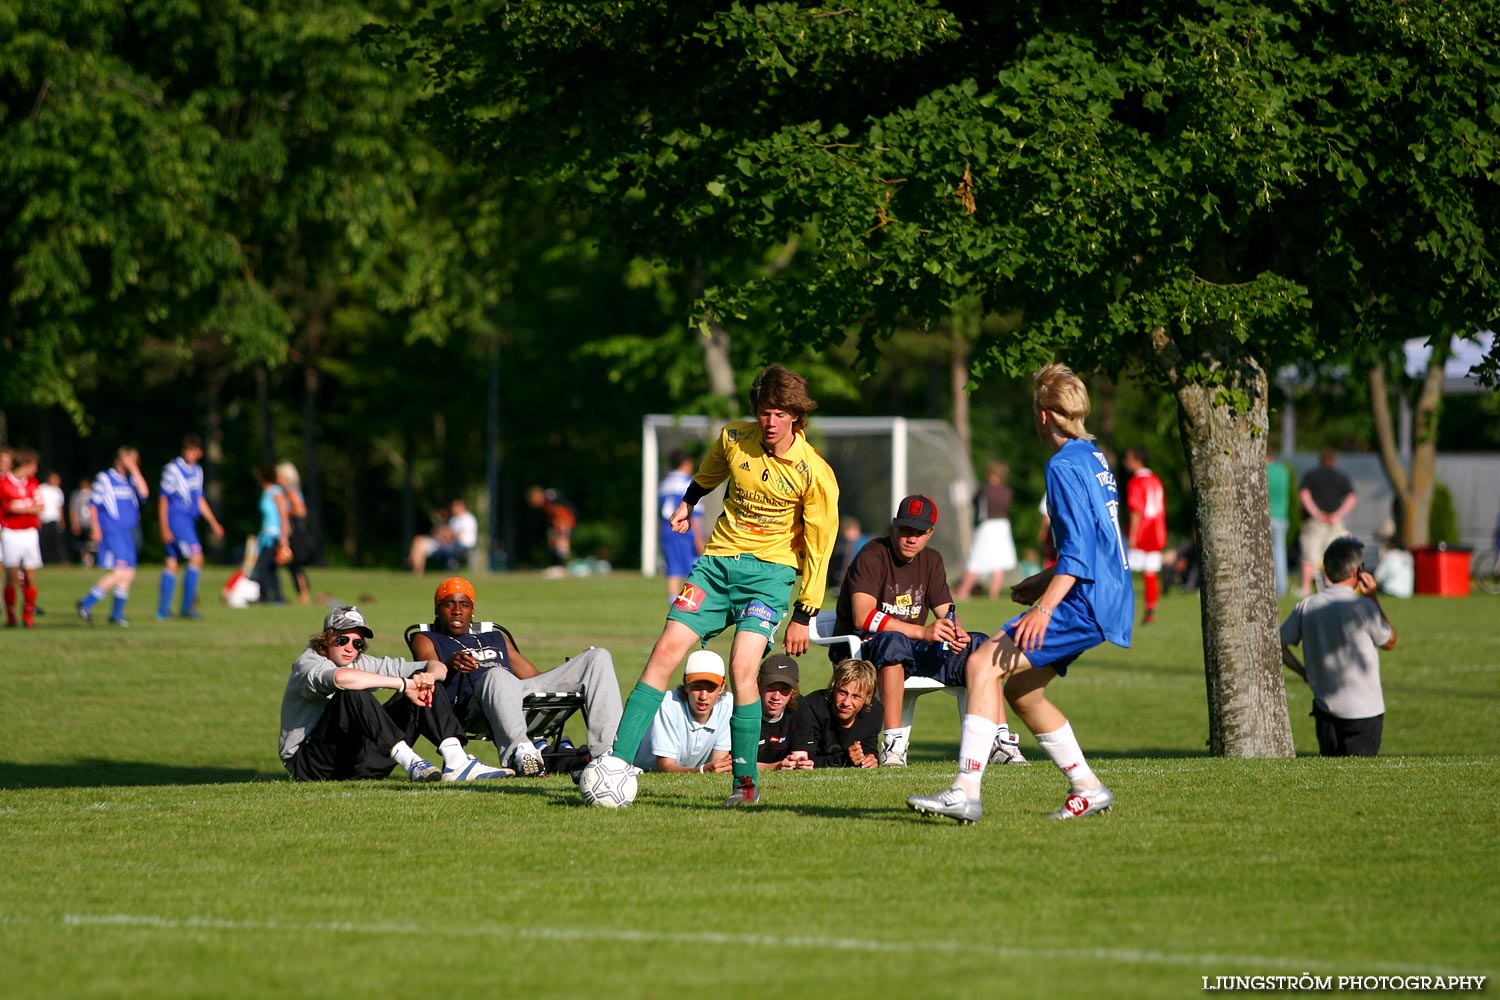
(333, 729)
(691, 729)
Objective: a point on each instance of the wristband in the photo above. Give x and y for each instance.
(878, 621)
(1038, 607)
(403, 685)
(802, 614)
(700, 769)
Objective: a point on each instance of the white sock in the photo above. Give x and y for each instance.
(1062, 747)
(454, 754)
(1004, 736)
(974, 748)
(404, 755)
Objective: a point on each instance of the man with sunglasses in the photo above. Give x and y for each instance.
(333, 728)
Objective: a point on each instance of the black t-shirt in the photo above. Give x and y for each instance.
(776, 738)
(828, 743)
(1328, 488)
(906, 592)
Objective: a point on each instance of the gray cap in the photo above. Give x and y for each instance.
(779, 668)
(347, 619)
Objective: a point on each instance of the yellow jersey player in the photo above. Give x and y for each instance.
(780, 519)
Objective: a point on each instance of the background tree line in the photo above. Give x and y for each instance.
(310, 230)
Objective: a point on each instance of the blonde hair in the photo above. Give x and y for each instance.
(287, 472)
(857, 674)
(1062, 394)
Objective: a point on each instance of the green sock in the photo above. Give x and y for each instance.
(744, 739)
(640, 710)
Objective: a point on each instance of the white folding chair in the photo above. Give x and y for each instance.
(820, 632)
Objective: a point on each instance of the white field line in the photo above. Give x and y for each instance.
(1123, 956)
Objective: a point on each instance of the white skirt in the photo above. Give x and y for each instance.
(994, 549)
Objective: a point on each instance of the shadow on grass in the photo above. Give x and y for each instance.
(96, 773)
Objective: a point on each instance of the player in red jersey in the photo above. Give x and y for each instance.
(1147, 534)
(20, 536)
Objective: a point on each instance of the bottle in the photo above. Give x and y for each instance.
(952, 616)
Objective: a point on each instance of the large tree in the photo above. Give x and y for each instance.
(1191, 190)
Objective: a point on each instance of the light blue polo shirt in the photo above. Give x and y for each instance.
(674, 734)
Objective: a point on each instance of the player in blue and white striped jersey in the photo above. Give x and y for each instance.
(179, 505)
(116, 502)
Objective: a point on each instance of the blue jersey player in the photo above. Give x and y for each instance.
(1083, 600)
(179, 505)
(116, 502)
(679, 552)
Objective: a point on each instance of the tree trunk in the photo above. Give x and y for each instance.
(1223, 428)
(1414, 489)
(965, 330)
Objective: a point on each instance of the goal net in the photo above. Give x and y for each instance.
(878, 460)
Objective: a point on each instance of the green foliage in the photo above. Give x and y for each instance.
(1442, 518)
(171, 860)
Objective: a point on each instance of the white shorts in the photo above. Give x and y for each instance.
(994, 550)
(1142, 561)
(21, 547)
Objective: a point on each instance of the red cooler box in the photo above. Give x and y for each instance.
(1443, 571)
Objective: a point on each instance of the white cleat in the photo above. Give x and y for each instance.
(1081, 804)
(952, 803)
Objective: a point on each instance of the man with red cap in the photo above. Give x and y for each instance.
(885, 598)
(489, 678)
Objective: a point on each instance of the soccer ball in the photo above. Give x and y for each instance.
(608, 782)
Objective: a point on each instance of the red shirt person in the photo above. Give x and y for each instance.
(1146, 534)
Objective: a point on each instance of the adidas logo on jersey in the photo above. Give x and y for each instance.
(745, 466)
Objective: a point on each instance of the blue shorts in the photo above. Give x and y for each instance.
(1071, 632)
(742, 591)
(116, 552)
(185, 543)
(920, 657)
(679, 552)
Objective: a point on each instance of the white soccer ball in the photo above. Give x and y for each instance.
(608, 782)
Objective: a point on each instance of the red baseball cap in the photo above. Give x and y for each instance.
(917, 512)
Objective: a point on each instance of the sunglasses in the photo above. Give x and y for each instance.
(344, 640)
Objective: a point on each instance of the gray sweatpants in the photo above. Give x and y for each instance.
(591, 673)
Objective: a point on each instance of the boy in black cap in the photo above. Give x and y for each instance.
(780, 709)
(885, 598)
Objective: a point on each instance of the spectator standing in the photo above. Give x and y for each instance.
(561, 517)
(1147, 534)
(678, 551)
(1341, 630)
(81, 522)
(179, 505)
(1279, 492)
(54, 534)
(1327, 497)
(115, 503)
(301, 543)
(993, 552)
(273, 542)
(20, 536)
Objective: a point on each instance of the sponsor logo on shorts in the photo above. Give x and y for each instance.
(755, 609)
(688, 598)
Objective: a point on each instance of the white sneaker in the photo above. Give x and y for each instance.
(952, 803)
(1080, 804)
(473, 770)
(1007, 751)
(893, 750)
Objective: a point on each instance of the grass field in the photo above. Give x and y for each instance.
(155, 847)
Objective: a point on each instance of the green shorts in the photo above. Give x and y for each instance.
(743, 591)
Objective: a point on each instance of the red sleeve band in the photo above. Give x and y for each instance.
(878, 621)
